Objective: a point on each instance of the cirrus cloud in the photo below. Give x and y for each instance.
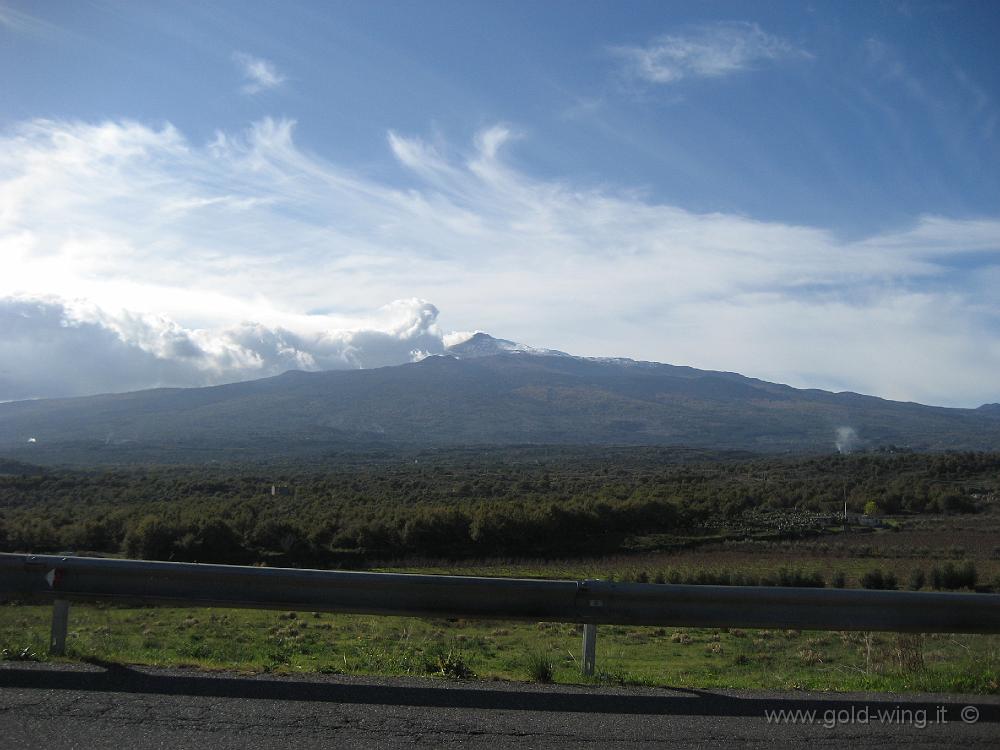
(709, 51)
(260, 74)
(247, 254)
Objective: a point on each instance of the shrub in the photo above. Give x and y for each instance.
(810, 657)
(788, 577)
(968, 575)
(908, 652)
(877, 579)
(952, 577)
(453, 665)
(539, 667)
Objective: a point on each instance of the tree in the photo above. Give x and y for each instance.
(149, 539)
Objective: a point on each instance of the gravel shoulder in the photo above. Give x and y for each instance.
(103, 705)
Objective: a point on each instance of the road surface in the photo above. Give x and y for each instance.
(108, 706)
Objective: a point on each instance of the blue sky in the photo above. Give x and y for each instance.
(202, 192)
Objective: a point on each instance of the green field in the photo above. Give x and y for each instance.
(290, 642)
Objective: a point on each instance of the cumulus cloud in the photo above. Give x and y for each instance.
(709, 51)
(175, 245)
(51, 347)
(260, 74)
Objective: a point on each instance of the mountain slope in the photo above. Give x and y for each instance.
(484, 393)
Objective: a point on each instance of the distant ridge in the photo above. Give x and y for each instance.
(482, 391)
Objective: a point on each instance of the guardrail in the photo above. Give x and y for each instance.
(63, 579)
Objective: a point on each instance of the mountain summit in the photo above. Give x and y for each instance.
(483, 345)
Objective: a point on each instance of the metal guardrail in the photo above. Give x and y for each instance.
(59, 579)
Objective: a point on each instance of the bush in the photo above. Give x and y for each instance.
(839, 580)
(794, 577)
(917, 579)
(453, 665)
(877, 579)
(908, 652)
(952, 577)
(540, 667)
(788, 577)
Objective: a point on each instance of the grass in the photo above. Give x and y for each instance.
(261, 641)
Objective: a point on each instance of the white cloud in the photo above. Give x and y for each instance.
(176, 245)
(260, 74)
(709, 51)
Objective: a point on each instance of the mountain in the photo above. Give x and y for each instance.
(483, 345)
(484, 391)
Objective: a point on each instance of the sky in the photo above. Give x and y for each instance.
(195, 193)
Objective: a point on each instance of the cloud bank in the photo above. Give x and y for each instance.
(175, 262)
(52, 348)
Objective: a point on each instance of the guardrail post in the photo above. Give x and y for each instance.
(60, 624)
(589, 648)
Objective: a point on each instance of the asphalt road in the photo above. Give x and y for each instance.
(91, 706)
